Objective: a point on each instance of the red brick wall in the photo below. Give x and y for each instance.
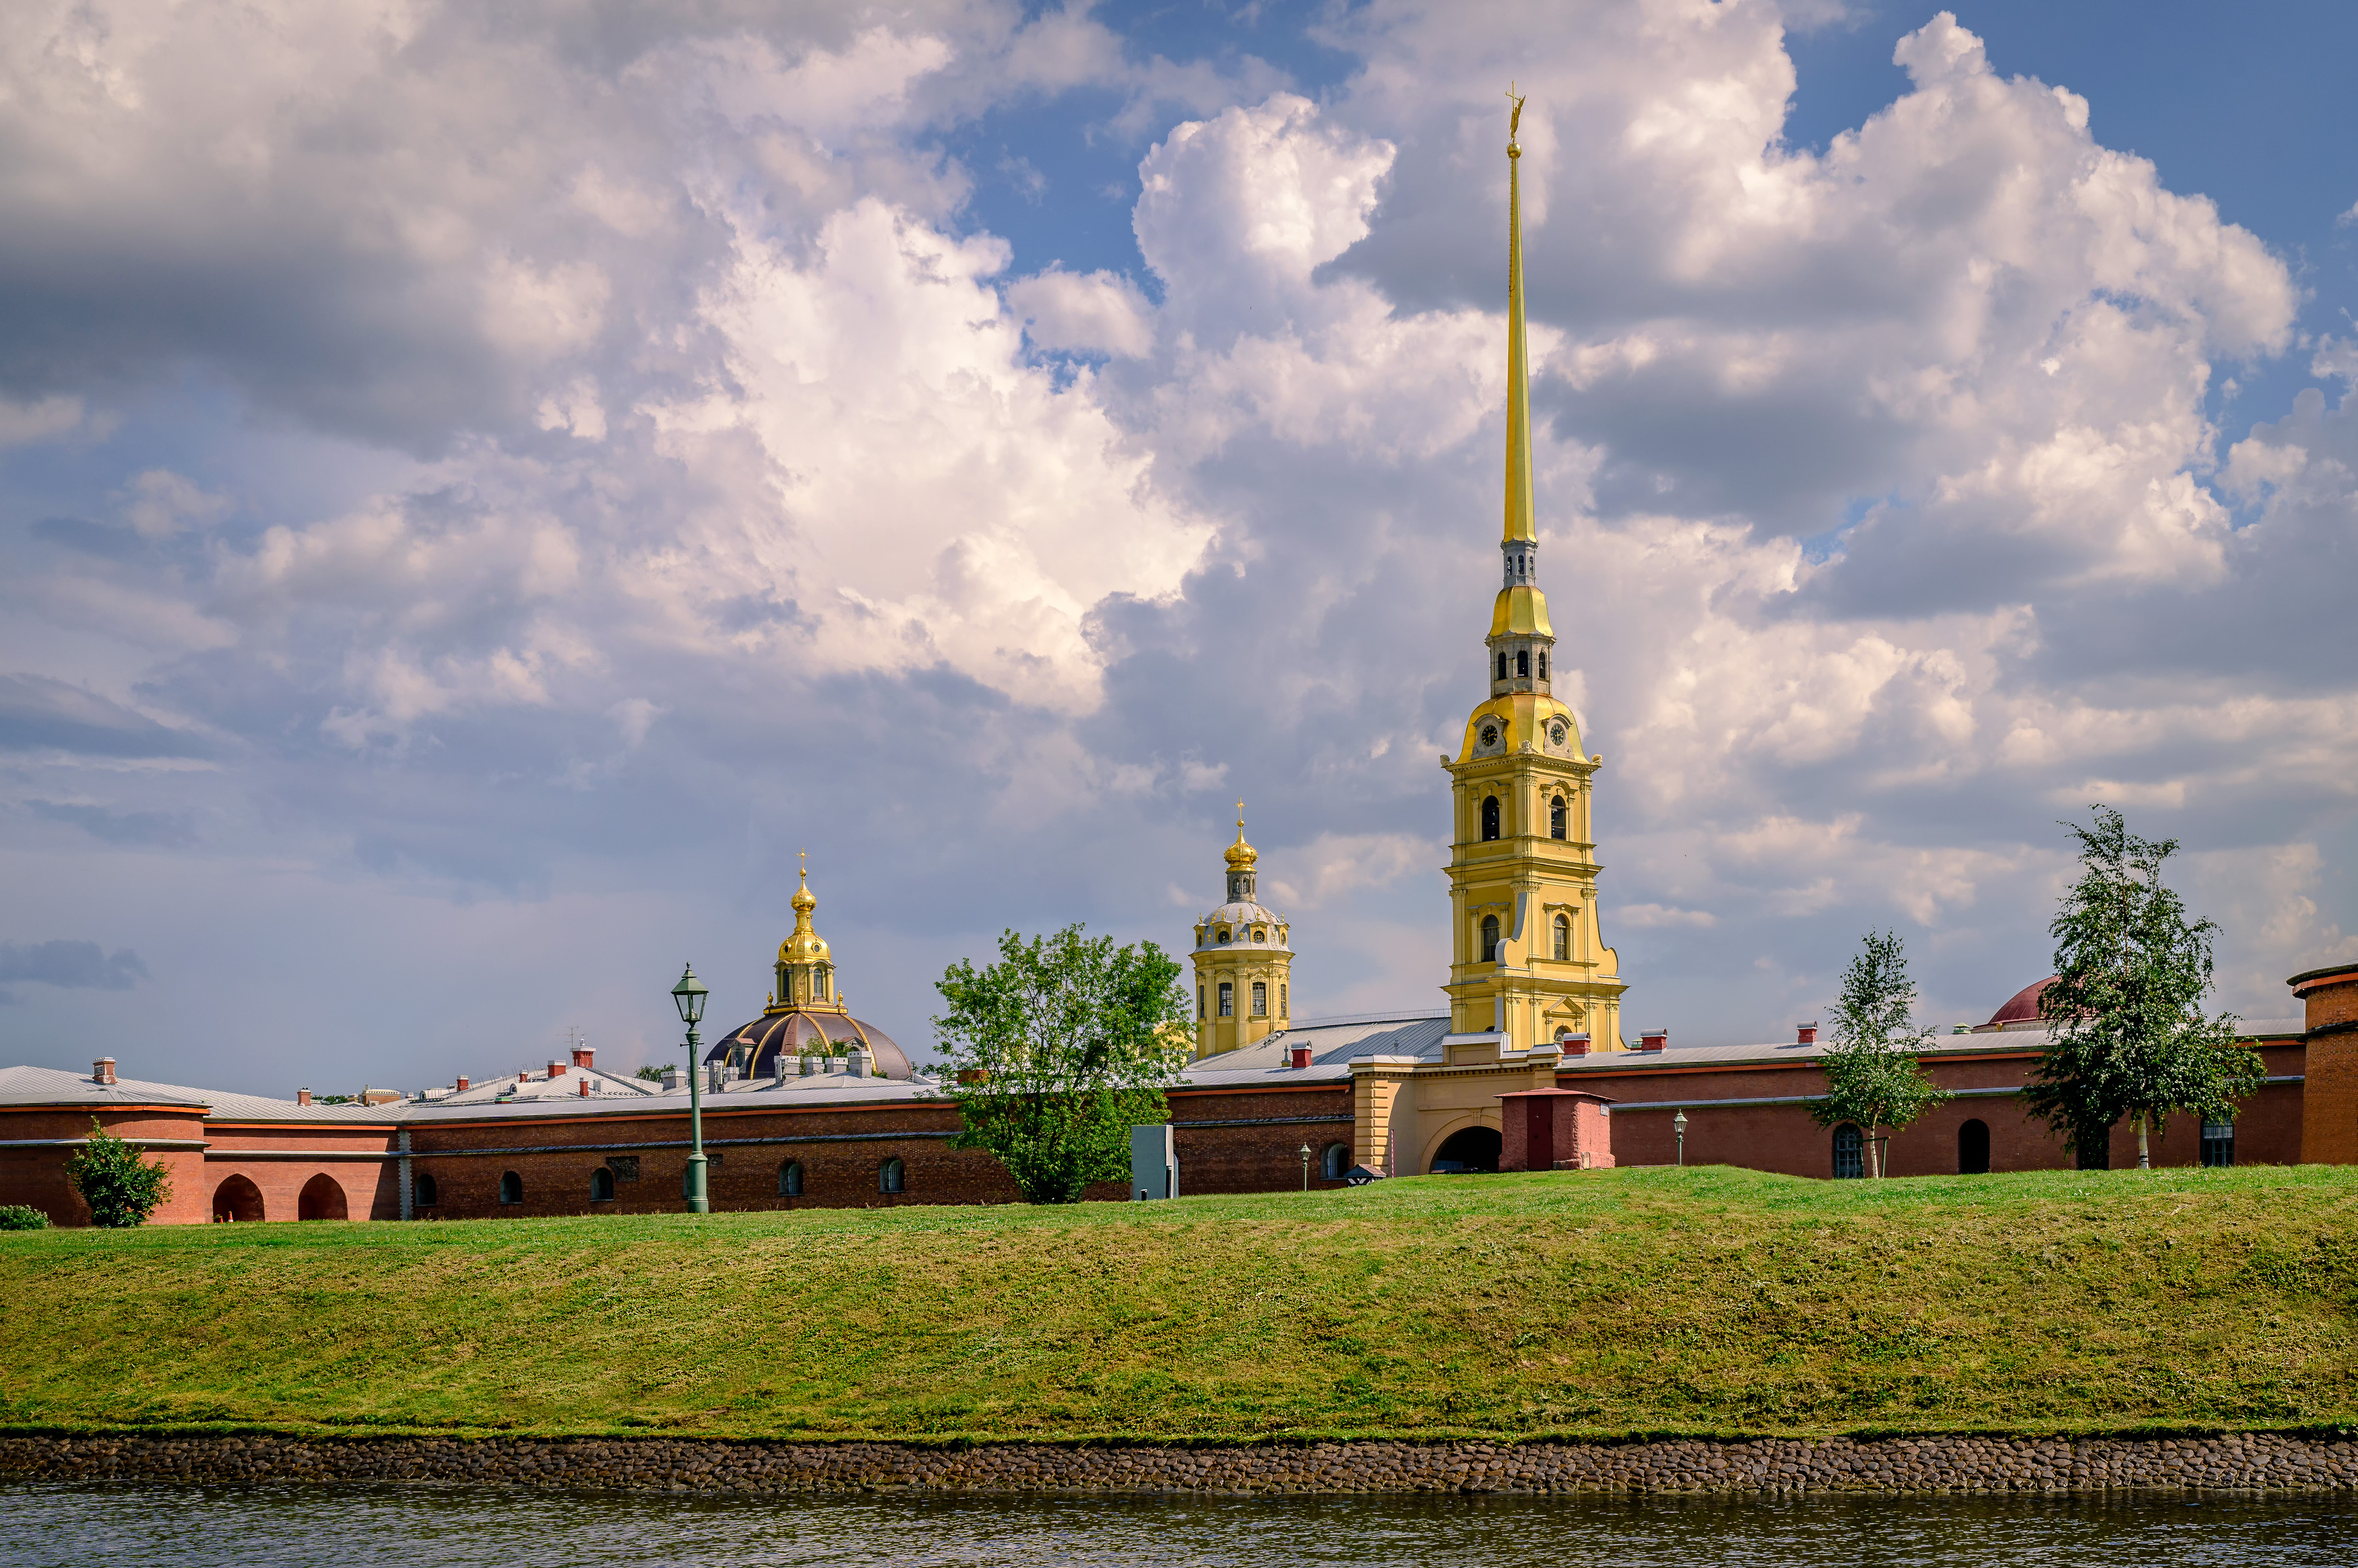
(1782, 1138)
(2330, 1118)
(1264, 1154)
(37, 1176)
(368, 1180)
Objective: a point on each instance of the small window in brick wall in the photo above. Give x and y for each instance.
(428, 1195)
(2219, 1143)
(511, 1187)
(1336, 1162)
(625, 1166)
(891, 1177)
(790, 1179)
(602, 1186)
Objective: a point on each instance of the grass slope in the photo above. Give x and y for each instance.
(1602, 1303)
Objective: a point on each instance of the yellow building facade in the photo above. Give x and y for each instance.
(1244, 960)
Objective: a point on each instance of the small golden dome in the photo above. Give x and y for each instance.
(803, 944)
(1240, 854)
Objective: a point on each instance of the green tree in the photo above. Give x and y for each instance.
(2130, 1037)
(1872, 1075)
(1057, 1051)
(651, 1072)
(120, 1187)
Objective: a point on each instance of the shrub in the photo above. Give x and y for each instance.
(120, 1187)
(22, 1217)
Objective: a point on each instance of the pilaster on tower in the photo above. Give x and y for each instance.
(1529, 964)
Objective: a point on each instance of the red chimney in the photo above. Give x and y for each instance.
(585, 1088)
(103, 1070)
(1300, 1055)
(460, 1089)
(1809, 1034)
(1574, 1044)
(302, 1097)
(581, 1057)
(556, 1069)
(1654, 1040)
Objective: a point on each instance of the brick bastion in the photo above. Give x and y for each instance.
(2309, 1462)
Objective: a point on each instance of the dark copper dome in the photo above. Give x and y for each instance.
(2020, 1007)
(756, 1047)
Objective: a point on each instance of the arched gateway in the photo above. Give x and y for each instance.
(321, 1199)
(236, 1199)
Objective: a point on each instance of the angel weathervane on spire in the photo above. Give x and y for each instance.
(1515, 118)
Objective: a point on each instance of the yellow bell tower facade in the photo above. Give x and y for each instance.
(1244, 961)
(1529, 963)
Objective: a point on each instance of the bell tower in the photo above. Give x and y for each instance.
(1244, 961)
(1529, 963)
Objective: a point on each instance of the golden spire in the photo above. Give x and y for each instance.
(1518, 376)
(805, 943)
(1240, 854)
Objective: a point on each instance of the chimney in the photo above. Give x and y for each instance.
(556, 1069)
(1654, 1040)
(581, 1057)
(1809, 1034)
(460, 1090)
(302, 1097)
(859, 1062)
(103, 1070)
(1299, 1056)
(585, 1088)
(1576, 1044)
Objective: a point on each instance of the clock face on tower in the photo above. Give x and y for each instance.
(1489, 734)
(1555, 733)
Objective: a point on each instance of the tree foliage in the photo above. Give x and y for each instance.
(1872, 1075)
(2131, 1038)
(1057, 1051)
(120, 1187)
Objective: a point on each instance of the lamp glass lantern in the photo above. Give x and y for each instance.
(688, 996)
(1679, 1126)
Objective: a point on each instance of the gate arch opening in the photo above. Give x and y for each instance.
(1972, 1148)
(321, 1199)
(237, 1200)
(1467, 1149)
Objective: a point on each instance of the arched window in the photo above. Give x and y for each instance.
(1199, 1002)
(1281, 1012)
(425, 1194)
(1556, 815)
(1522, 663)
(1973, 1148)
(1260, 999)
(1260, 934)
(511, 1187)
(1489, 817)
(1228, 1000)
(891, 1177)
(1489, 938)
(1563, 939)
(790, 1179)
(1544, 674)
(1502, 664)
(1850, 1151)
(1224, 934)
(602, 1186)
(1334, 1163)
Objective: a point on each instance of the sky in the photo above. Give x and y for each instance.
(481, 489)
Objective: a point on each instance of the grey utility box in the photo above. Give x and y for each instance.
(1153, 1164)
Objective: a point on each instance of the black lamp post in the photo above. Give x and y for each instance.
(688, 996)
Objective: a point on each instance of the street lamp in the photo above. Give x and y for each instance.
(1305, 1167)
(688, 995)
(1679, 1126)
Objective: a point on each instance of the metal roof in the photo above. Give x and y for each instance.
(1333, 1044)
(47, 1085)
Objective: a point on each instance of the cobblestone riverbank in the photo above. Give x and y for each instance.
(2234, 1462)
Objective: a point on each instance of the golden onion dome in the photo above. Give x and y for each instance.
(1240, 854)
(803, 944)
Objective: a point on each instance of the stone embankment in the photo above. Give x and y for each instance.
(2237, 1461)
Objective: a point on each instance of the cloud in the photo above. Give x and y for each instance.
(1096, 312)
(71, 966)
(37, 713)
(160, 829)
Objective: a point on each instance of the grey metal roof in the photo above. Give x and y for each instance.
(837, 1088)
(1332, 1042)
(2007, 1040)
(49, 1086)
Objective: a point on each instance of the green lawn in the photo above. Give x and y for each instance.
(1709, 1300)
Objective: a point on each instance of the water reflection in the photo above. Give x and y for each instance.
(426, 1526)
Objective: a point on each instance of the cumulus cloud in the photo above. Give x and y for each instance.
(71, 966)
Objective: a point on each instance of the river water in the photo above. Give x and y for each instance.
(156, 1526)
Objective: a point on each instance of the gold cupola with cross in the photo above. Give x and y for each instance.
(1244, 960)
(1529, 965)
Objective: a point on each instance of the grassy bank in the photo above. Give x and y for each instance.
(1698, 1301)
